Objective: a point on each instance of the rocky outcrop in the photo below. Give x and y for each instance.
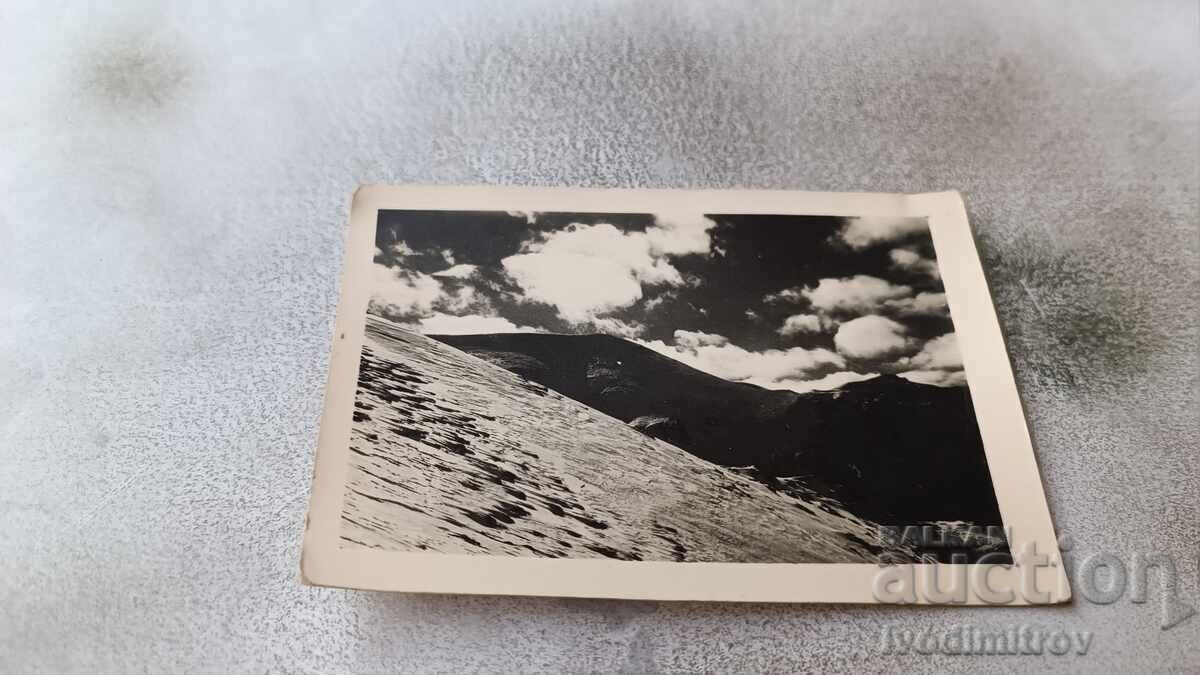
(666, 429)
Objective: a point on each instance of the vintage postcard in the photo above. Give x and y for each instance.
(678, 395)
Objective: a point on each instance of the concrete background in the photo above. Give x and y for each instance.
(174, 184)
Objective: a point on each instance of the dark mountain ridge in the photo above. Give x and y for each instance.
(890, 450)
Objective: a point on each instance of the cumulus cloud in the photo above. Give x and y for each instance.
(460, 271)
(579, 286)
(459, 300)
(613, 326)
(860, 294)
(872, 337)
(586, 271)
(714, 354)
(923, 304)
(449, 324)
(680, 233)
(940, 353)
(860, 233)
(805, 324)
(402, 249)
(405, 293)
(689, 339)
(529, 216)
(430, 304)
(401, 293)
(938, 362)
(656, 301)
(911, 261)
(941, 378)
(792, 295)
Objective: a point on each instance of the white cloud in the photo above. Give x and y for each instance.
(460, 271)
(585, 271)
(829, 382)
(941, 378)
(923, 304)
(939, 362)
(680, 233)
(659, 299)
(689, 339)
(860, 294)
(408, 294)
(752, 315)
(579, 286)
(940, 353)
(911, 261)
(633, 251)
(448, 324)
(529, 216)
(805, 324)
(447, 255)
(612, 326)
(399, 292)
(872, 337)
(714, 355)
(860, 233)
(460, 300)
(402, 249)
(786, 295)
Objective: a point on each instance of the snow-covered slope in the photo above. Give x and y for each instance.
(453, 454)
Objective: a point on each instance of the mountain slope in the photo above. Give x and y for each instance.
(455, 455)
(890, 450)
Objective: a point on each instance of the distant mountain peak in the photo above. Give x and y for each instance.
(885, 381)
(892, 383)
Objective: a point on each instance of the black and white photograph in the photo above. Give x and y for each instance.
(721, 395)
(683, 386)
(600, 336)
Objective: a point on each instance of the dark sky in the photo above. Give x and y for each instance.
(721, 284)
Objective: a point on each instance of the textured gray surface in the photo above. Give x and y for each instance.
(175, 182)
